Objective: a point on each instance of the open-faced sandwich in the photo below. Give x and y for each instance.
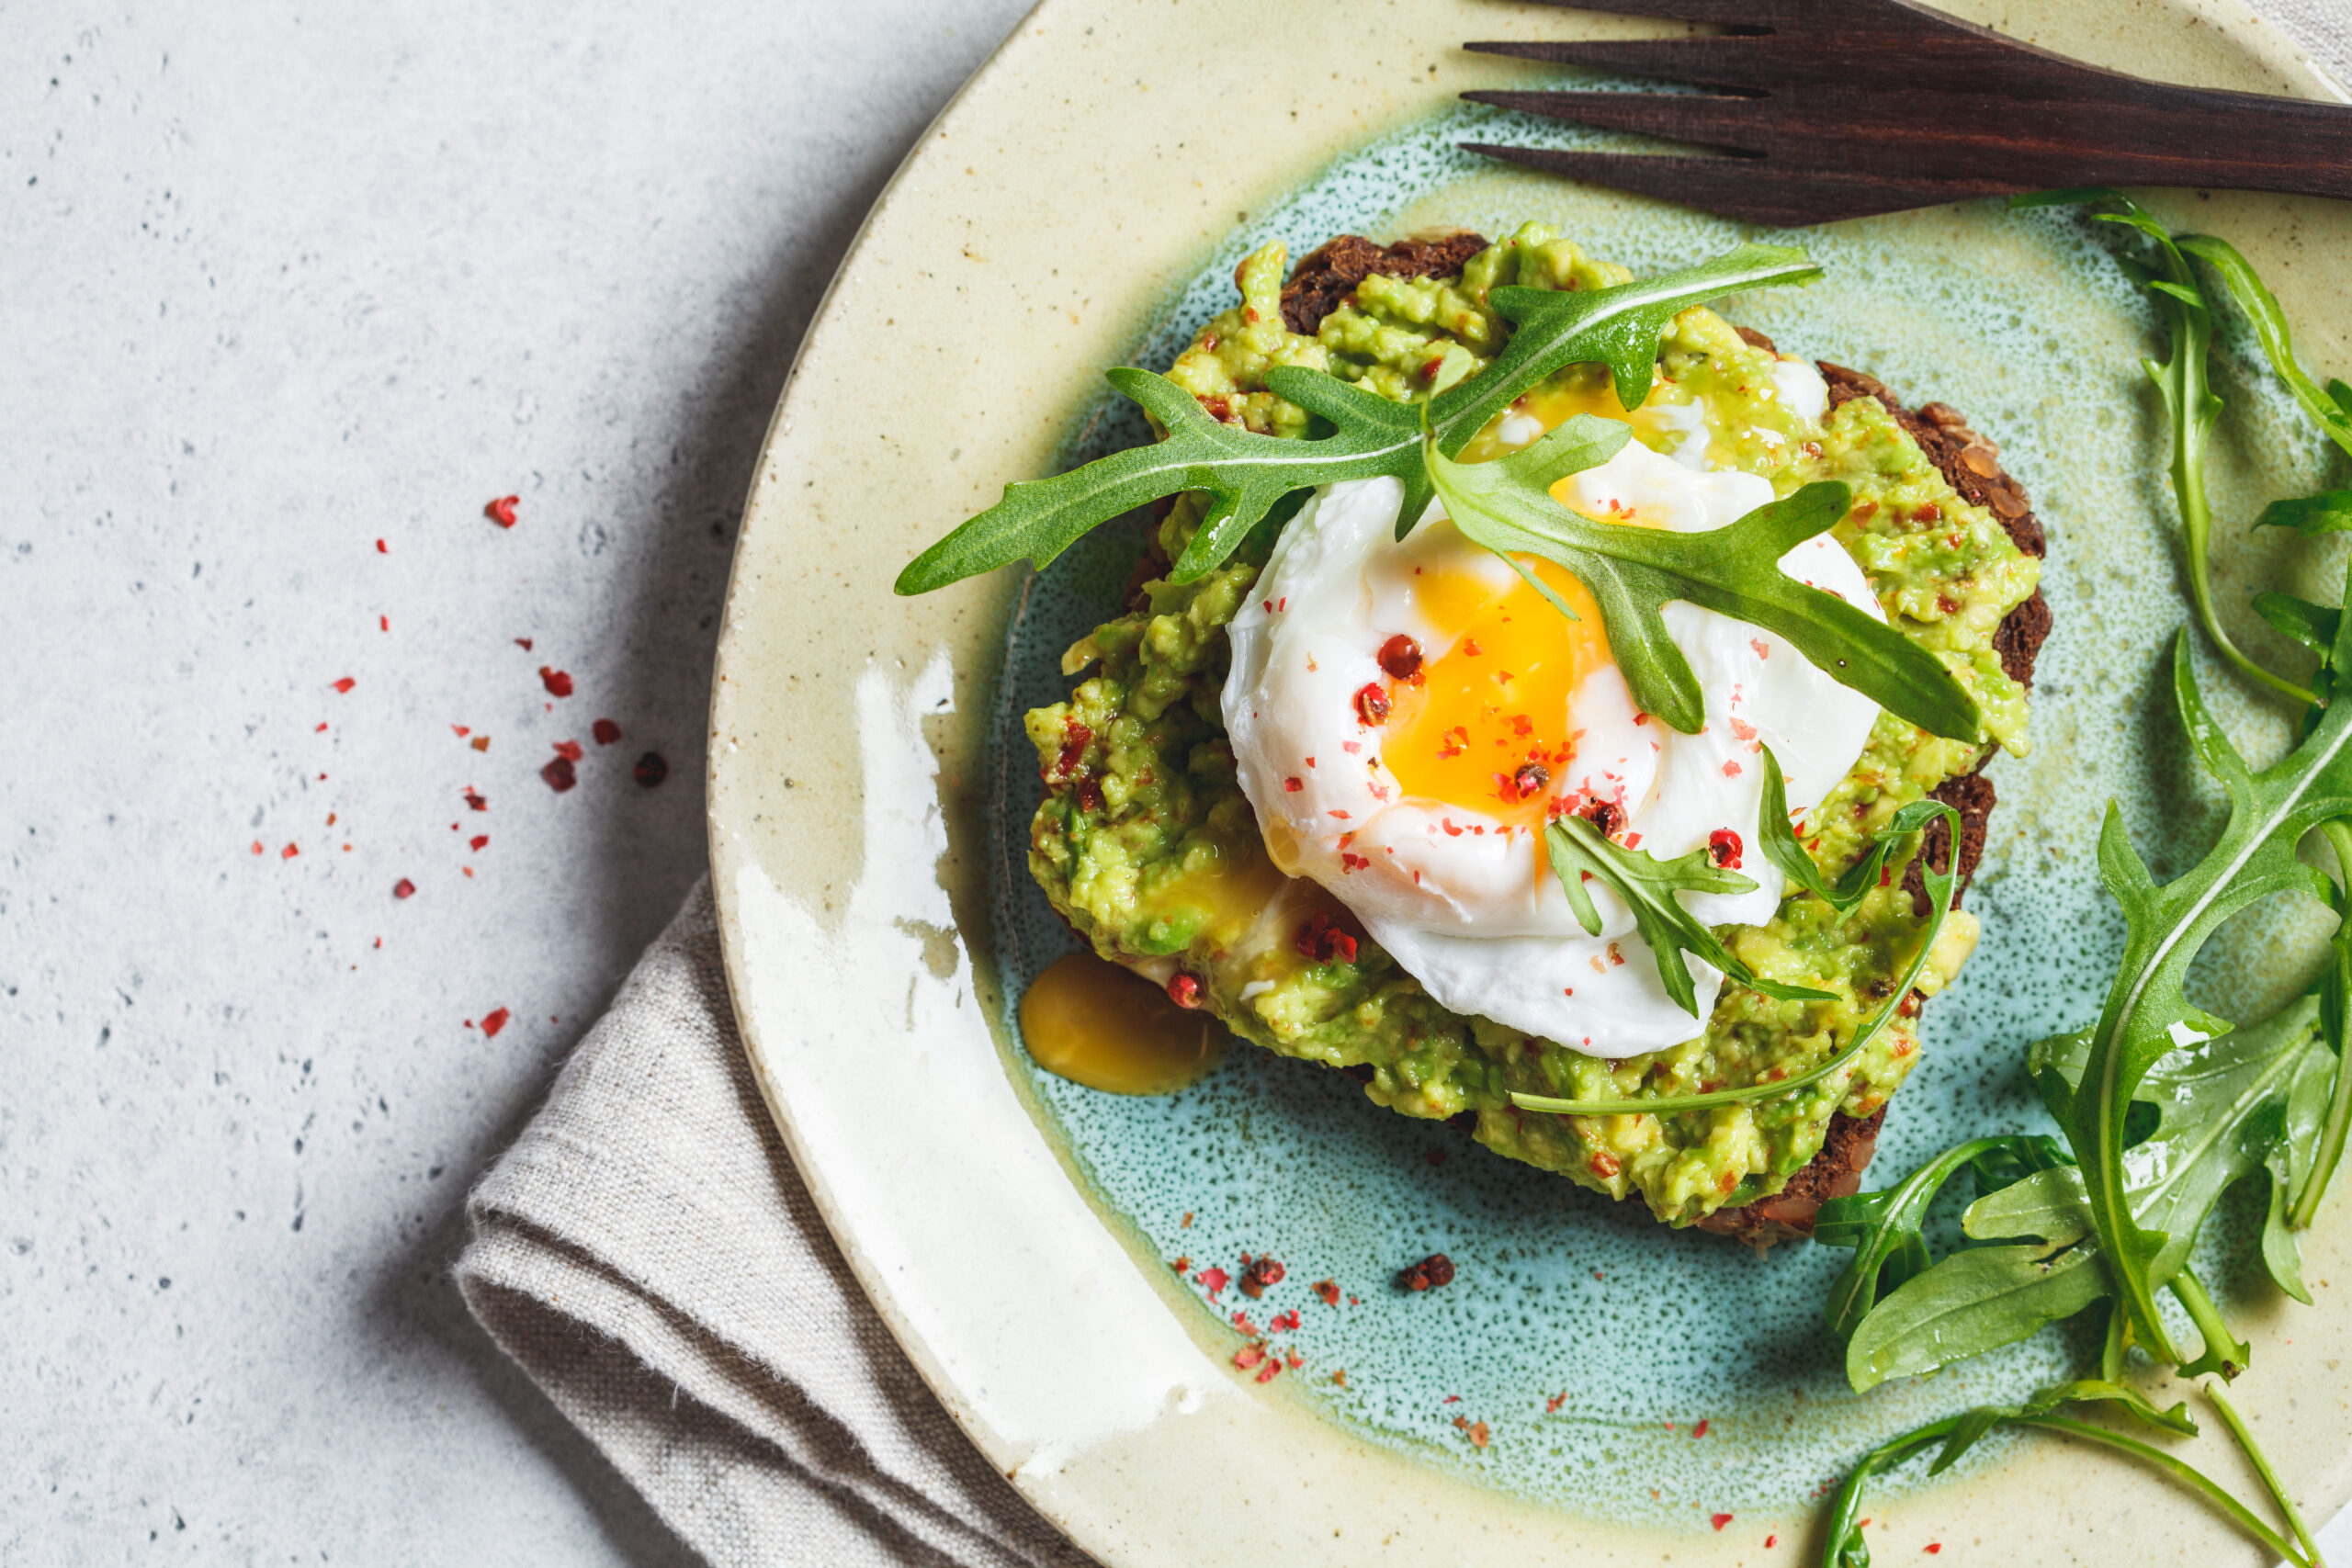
(1584, 767)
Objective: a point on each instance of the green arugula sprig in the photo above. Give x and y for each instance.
(2184, 379)
(1247, 474)
(1618, 327)
(1954, 1434)
(1244, 473)
(2218, 1107)
(1649, 886)
(1778, 841)
(1507, 506)
(1655, 884)
(2166, 925)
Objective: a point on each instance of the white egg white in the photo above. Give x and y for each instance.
(1465, 902)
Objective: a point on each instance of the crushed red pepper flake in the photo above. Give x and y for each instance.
(1213, 1279)
(320, 730)
(1341, 1377)
(1186, 1224)
(502, 511)
(1770, 1542)
(1269, 1372)
(495, 1021)
(1719, 1520)
(524, 643)
(1179, 1265)
(1932, 1548)
(462, 730)
(289, 852)
(1249, 1356)
(1241, 1321)
(380, 549)
(1430, 1273)
(403, 888)
(1283, 1322)
(557, 682)
(559, 774)
(475, 800)
(480, 743)
(345, 684)
(1257, 1273)
(256, 846)
(478, 841)
(570, 750)
(1329, 1290)
(1292, 1359)
(651, 769)
(605, 731)
(384, 622)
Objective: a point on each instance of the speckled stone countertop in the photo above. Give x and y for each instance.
(278, 282)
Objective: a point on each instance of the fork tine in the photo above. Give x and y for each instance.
(1748, 189)
(1742, 123)
(1715, 62)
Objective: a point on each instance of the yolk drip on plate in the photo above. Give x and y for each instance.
(1094, 1023)
(1464, 730)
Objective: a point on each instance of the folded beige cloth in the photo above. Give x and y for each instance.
(647, 1254)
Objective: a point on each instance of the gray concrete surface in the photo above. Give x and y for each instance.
(277, 282)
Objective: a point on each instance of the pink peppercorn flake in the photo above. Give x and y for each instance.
(1719, 1520)
(568, 750)
(557, 681)
(605, 731)
(651, 770)
(345, 684)
(478, 841)
(403, 888)
(559, 774)
(1184, 991)
(502, 511)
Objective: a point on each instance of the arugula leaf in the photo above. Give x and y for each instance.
(2253, 298)
(2269, 813)
(2312, 517)
(1649, 886)
(1619, 327)
(1883, 1227)
(2311, 625)
(1940, 885)
(2190, 403)
(2316, 1130)
(2220, 1106)
(1247, 473)
(1507, 506)
(1779, 843)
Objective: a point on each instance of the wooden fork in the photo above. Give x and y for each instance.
(1841, 108)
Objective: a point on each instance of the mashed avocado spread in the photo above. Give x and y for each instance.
(1148, 846)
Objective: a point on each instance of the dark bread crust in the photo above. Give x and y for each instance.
(1971, 465)
(1324, 279)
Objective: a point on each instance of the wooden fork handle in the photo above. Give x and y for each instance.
(2161, 134)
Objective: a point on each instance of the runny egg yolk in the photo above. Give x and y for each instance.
(1465, 728)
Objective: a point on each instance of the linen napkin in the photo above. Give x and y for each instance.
(647, 1254)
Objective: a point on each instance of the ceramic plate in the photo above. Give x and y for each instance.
(1082, 204)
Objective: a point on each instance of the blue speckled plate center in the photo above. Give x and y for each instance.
(1591, 1340)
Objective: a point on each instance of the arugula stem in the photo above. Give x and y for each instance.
(2118, 1338)
(2224, 1352)
(2186, 1475)
(2261, 1463)
(2197, 525)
